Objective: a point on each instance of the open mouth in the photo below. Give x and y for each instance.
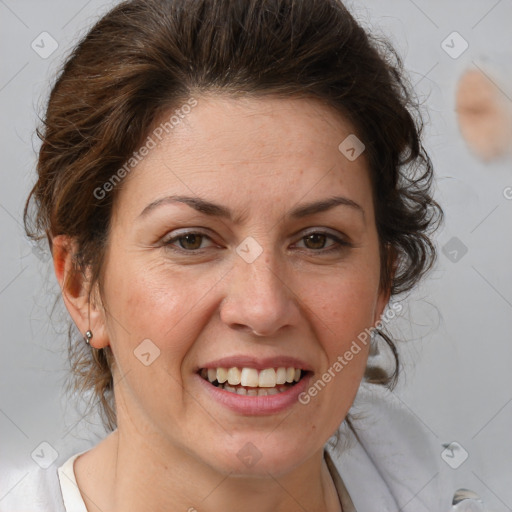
(252, 382)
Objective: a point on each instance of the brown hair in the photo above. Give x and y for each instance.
(145, 57)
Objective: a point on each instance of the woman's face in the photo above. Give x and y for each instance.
(249, 272)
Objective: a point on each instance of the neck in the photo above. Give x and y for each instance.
(132, 472)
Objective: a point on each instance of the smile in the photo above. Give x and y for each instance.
(253, 382)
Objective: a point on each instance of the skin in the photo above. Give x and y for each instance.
(485, 118)
(174, 447)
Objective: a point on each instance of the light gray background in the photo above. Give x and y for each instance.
(458, 355)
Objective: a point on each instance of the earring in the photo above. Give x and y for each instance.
(88, 336)
(88, 333)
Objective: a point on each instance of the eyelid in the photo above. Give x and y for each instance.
(177, 234)
(341, 241)
(321, 230)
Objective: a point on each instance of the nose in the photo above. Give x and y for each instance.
(260, 298)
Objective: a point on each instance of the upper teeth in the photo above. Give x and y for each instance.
(250, 377)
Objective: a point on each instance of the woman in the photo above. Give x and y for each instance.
(233, 192)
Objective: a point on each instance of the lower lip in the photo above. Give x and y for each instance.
(256, 405)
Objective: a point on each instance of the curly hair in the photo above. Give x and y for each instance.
(145, 57)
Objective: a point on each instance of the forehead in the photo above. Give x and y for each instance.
(249, 153)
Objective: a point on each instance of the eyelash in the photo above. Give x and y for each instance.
(337, 247)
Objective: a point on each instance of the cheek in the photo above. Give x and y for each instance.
(342, 311)
(152, 324)
(343, 315)
(150, 302)
(343, 306)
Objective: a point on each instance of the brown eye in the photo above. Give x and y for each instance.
(186, 242)
(192, 241)
(315, 241)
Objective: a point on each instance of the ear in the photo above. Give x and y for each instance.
(385, 294)
(75, 288)
(382, 302)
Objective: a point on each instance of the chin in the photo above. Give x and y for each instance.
(259, 454)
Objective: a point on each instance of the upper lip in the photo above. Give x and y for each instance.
(244, 361)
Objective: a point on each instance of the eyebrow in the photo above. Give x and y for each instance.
(216, 210)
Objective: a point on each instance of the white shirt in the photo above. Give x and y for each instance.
(71, 496)
(392, 465)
